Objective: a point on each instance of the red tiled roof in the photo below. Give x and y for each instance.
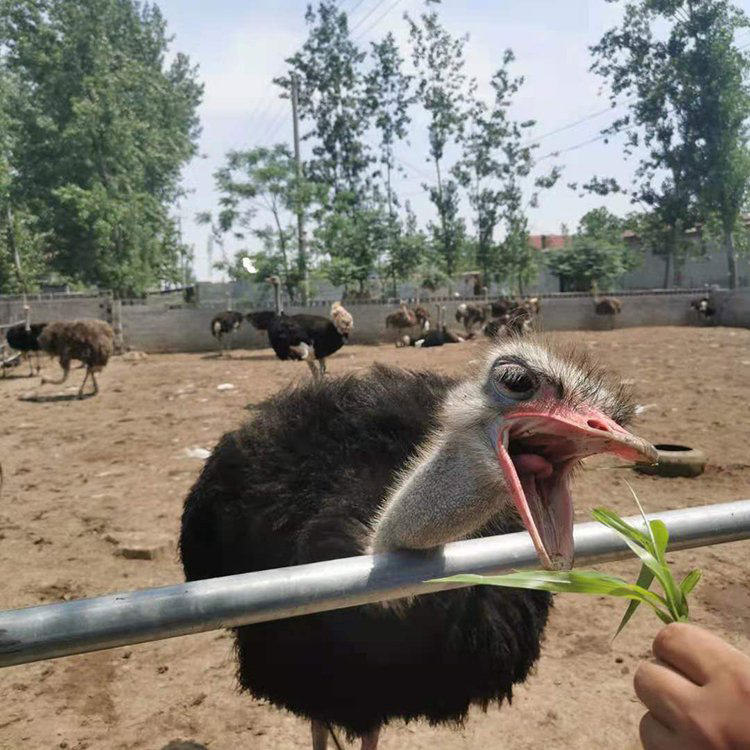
(548, 241)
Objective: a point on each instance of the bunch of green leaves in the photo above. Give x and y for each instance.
(650, 546)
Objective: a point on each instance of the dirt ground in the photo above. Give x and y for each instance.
(85, 480)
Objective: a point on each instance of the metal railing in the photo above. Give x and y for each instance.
(53, 630)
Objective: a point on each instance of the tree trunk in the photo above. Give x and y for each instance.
(731, 257)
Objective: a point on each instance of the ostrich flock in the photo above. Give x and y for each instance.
(391, 460)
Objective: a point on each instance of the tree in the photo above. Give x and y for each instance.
(442, 88)
(674, 61)
(596, 256)
(102, 128)
(716, 118)
(494, 167)
(332, 97)
(265, 179)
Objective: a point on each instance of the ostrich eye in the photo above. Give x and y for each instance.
(516, 383)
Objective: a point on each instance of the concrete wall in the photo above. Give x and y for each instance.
(189, 329)
(732, 307)
(56, 308)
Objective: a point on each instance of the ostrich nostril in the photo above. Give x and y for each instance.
(597, 424)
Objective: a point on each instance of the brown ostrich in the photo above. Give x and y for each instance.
(400, 320)
(471, 316)
(89, 341)
(608, 307)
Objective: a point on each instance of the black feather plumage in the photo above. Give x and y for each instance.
(302, 482)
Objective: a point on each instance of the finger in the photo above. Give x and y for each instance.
(664, 692)
(655, 736)
(694, 652)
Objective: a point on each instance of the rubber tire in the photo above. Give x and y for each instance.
(683, 462)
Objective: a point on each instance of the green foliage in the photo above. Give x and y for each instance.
(333, 98)
(253, 185)
(677, 64)
(596, 256)
(100, 130)
(649, 546)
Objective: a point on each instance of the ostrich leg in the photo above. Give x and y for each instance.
(65, 364)
(323, 367)
(370, 740)
(96, 385)
(319, 735)
(85, 378)
(313, 368)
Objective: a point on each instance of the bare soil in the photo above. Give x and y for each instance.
(86, 480)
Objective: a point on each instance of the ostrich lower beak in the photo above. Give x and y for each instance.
(537, 451)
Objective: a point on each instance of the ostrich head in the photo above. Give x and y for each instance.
(507, 443)
(342, 319)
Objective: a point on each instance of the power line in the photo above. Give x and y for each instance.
(375, 23)
(366, 16)
(573, 124)
(575, 147)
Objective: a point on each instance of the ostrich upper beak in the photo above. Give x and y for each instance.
(537, 449)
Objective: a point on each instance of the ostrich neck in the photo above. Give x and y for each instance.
(450, 492)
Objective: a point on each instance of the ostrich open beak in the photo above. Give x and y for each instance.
(537, 450)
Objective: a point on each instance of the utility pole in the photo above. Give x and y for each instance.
(301, 243)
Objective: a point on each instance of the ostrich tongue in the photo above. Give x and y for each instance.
(537, 451)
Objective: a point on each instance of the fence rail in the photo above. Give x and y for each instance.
(54, 630)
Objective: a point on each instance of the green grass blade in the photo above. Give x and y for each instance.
(624, 529)
(645, 577)
(652, 548)
(565, 582)
(690, 581)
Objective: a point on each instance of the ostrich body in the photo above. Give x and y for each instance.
(471, 316)
(89, 341)
(225, 324)
(404, 318)
(436, 337)
(26, 340)
(306, 338)
(401, 460)
(703, 306)
(607, 307)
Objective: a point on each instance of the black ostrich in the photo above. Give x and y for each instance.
(225, 324)
(402, 460)
(438, 336)
(26, 340)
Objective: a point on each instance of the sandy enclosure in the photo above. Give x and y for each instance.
(85, 482)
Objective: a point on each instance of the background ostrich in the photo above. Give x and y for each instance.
(26, 340)
(608, 307)
(437, 336)
(89, 341)
(704, 308)
(402, 460)
(471, 316)
(225, 324)
(307, 338)
(402, 319)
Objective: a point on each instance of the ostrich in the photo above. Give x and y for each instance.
(25, 339)
(307, 338)
(224, 324)
(471, 316)
(702, 306)
(401, 319)
(609, 307)
(436, 337)
(396, 460)
(90, 341)
(423, 318)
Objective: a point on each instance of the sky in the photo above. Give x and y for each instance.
(241, 46)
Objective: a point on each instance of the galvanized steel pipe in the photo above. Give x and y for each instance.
(53, 630)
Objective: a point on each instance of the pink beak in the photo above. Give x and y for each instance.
(537, 449)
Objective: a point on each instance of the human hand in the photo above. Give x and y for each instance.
(697, 694)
